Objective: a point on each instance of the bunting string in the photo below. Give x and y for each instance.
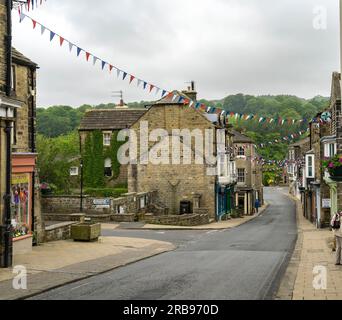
(28, 6)
(288, 138)
(152, 88)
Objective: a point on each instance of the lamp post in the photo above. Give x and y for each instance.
(81, 193)
(8, 249)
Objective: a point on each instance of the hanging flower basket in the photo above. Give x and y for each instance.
(334, 167)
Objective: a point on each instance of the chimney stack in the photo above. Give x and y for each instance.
(191, 91)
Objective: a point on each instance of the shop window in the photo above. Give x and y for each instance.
(20, 199)
(241, 175)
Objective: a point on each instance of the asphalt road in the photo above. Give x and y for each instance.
(247, 262)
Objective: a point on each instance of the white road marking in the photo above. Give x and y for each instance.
(213, 231)
(83, 285)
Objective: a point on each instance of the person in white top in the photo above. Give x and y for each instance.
(336, 227)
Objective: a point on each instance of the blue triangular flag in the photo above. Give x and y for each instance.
(103, 64)
(124, 75)
(78, 51)
(52, 35)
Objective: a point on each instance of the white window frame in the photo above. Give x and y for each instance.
(75, 173)
(107, 137)
(311, 167)
(328, 152)
(244, 175)
(241, 152)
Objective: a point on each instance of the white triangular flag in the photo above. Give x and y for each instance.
(42, 30)
(70, 46)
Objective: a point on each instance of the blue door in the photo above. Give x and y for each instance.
(223, 201)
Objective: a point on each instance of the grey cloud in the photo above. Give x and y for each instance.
(227, 46)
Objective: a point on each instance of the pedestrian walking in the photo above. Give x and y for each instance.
(257, 205)
(336, 227)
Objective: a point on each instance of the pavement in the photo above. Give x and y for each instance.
(313, 249)
(58, 263)
(245, 262)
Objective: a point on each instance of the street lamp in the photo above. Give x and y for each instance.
(81, 193)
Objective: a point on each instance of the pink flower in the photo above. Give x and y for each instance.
(331, 165)
(340, 160)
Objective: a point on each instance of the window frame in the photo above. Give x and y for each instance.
(75, 174)
(310, 169)
(240, 178)
(106, 141)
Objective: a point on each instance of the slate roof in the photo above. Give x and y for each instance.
(241, 138)
(110, 119)
(19, 58)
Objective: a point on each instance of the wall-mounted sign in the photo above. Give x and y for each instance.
(326, 203)
(101, 202)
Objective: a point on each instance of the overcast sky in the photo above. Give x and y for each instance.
(227, 46)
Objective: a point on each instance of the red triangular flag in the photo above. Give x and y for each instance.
(131, 79)
(151, 87)
(110, 68)
(87, 56)
(61, 40)
(34, 23)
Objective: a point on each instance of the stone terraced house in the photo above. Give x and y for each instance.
(188, 187)
(109, 122)
(249, 174)
(18, 116)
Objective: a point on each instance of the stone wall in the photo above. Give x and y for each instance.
(130, 203)
(58, 232)
(174, 183)
(178, 220)
(22, 78)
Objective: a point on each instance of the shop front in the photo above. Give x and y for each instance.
(22, 191)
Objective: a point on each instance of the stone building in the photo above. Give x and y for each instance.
(249, 174)
(109, 122)
(320, 191)
(183, 186)
(332, 145)
(295, 168)
(17, 116)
